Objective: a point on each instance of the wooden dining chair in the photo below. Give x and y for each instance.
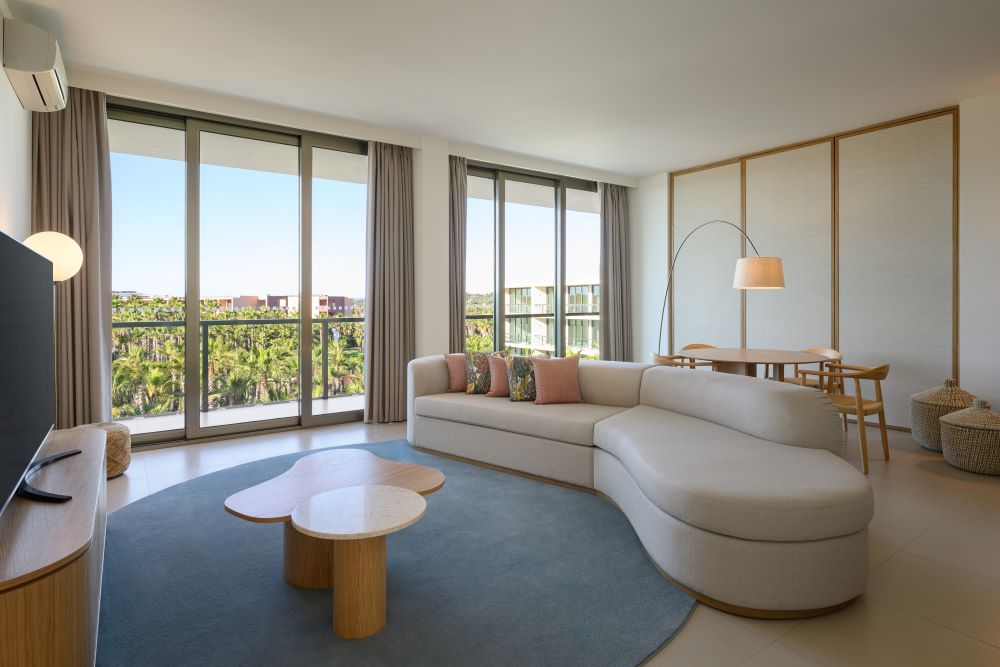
(832, 356)
(857, 404)
(697, 346)
(677, 360)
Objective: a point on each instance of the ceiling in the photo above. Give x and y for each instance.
(629, 86)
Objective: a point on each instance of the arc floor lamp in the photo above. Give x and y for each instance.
(751, 272)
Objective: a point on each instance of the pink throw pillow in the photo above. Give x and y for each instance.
(457, 376)
(557, 380)
(498, 376)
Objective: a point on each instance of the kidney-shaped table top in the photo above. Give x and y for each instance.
(274, 500)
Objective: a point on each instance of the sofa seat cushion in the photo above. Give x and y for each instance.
(731, 483)
(569, 422)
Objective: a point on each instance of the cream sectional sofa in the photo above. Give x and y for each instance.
(736, 486)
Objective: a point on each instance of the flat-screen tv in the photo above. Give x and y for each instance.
(27, 409)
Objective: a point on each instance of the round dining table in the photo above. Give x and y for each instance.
(744, 361)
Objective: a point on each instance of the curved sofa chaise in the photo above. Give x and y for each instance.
(736, 486)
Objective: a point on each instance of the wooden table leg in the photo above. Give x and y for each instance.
(779, 372)
(308, 560)
(359, 596)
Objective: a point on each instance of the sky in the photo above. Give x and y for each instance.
(530, 246)
(249, 234)
(249, 231)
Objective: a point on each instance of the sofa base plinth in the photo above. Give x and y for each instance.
(765, 614)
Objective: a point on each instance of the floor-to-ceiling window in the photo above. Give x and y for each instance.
(248, 279)
(545, 295)
(147, 276)
(264, 229)
(583, 273)
(529, 240)
(340, 199)
(480, 256)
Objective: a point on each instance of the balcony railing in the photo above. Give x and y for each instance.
(328, 333)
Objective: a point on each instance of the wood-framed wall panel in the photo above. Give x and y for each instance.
(706, 306)
(787, 203)
(835, 301)
(896, 256)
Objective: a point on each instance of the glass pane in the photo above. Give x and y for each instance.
(249, 280)
(530, 268)
(480, 240)
(147, 276)
(340, 200)
(583, 273)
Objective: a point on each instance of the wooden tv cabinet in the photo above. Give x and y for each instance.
(52, 557)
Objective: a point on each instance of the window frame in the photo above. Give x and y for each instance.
(192, 123)
(501, 175)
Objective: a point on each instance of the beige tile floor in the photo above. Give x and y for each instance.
(933, 597)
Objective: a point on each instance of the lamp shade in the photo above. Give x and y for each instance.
(64, 253)
(759, 273)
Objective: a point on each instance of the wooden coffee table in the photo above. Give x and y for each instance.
(355, 520)
(308, 561)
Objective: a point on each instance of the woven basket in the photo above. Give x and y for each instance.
(927, 408)
(118, 450)
(971, 438)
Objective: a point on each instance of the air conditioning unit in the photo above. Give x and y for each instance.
(34, 66)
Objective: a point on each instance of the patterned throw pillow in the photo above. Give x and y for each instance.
(477, 371)
(521, 378)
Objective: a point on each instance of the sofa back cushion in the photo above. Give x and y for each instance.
(775, 411)
(613, 383)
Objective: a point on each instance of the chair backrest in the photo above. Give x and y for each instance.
(874, 373)
(827, 352)
(698, 346)
(667, 359)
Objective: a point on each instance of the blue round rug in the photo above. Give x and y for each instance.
(502, 570)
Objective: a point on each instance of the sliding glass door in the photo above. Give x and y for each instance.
(148, 388)
(232, 243)
(339, 210)
(248, 279)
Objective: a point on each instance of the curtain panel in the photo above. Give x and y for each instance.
(71, 194)
(616, 308)
(390, 312)
(457, 213)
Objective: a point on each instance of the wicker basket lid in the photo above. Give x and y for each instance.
(979, 416)
(949, 395)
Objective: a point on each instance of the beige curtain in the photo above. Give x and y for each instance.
(456, 246)
(389, 322)
(616, 308)
(71, 193)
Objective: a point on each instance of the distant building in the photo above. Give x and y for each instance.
(531, 320)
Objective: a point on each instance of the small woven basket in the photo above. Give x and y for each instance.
(971, 439)
(118, 450)
(927, 408)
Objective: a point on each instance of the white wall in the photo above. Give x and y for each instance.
(430, 231)
(15, 161)
(979, 245)
(649, 206)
